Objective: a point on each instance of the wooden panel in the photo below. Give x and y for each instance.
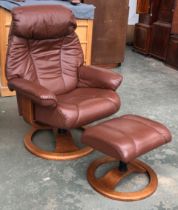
(84, 31)
(142, 38)
(5, 19)
(152, 15)
(165, 11)
(163, 14)
(154, 10)
(143, 6)
(160, 39)
(110, 16)
(175, 19)
(145, 19)
(172, 53)
(130, 34)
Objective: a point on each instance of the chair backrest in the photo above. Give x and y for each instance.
(44, 48)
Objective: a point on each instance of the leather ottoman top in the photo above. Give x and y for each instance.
(126, 137)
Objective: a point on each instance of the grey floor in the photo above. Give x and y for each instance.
(29, 183)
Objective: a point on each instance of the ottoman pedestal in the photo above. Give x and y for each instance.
(124, 139)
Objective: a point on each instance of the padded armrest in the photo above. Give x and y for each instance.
(91, 76)
(35, 92)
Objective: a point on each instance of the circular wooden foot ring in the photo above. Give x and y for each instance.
(53, 155)
(99, 186)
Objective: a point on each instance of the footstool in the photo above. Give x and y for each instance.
(124, 139)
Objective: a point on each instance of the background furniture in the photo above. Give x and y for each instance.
(172, 51)
(161, 29)
(143, 6)
(142, 37)
(156, 33)
(84, 31)
(54, 89)
(109, 31)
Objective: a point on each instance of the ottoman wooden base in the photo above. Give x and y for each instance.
(107, 183)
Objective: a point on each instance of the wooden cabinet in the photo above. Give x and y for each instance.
(5, 20)
(156, 33)
(161, 30)
(175, 19)
(142, 35)
(84, 31)
(142, 38)
(160, 39)
(109, 31)
(166, 11)
(152, 15)
(172, 52)
(143, 6)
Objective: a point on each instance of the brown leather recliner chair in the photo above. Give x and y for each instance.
(54, 89)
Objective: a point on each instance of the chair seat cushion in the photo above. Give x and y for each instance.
(80, 107)
(126, 137)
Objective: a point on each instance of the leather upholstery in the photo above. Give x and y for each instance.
(45, 64)
(23, 23)
(80, 107)
(29, 89)
(126, 137)
(93, 76)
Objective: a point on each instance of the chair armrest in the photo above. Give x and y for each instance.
(37, 93)
(91, 76)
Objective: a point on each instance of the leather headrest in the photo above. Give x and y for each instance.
(42, 21)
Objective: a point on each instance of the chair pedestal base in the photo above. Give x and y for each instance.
(65, 148)
(106, 184)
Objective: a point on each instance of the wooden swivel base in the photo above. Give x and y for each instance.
(65, 148)
(107, 183)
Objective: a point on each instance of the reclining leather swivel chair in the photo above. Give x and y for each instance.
(54, 89)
